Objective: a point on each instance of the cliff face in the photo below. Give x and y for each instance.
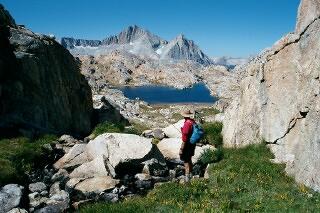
(279, 100)
(41, 88)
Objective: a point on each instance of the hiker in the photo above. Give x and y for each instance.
(187, 149)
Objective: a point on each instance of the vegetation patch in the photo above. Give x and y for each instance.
(107, 127)
(208, 111)
(19, 156)
(213, 134)
(245, 180)
(211, 156)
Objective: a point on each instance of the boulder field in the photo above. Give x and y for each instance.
(278, 100)
(108, 168)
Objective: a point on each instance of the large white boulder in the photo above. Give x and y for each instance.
(94, 168)
(174, 130)
(76, 156)
(170, 147)
(96, 185)
(123, 152)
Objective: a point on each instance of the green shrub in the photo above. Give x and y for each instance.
(136, 129)
(213, 134)
(108, 128)
(211, 156)
(208, 112)
(155, 141)
(18, 156)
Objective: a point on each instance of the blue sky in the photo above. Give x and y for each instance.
(220, 27)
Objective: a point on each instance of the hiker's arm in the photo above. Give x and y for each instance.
(183, 144)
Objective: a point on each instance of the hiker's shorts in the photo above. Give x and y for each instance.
(187, 152)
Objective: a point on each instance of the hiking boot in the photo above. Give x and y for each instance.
(188, 178)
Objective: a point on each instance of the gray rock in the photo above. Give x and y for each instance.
(156, 133)
(60, 199)
(172, 173)
(10, 197)
(206, 173)
(156, 185)
(36, 201)
(44, 193)
(92, 187)
(54, 189)
(68, 140)
(37, 187)
(122, 189)
(61, 176)
(79, 204)
(160, 179)
(17, 210)
(110, 197)
(143, 184)
(155, 168)
(142, 176)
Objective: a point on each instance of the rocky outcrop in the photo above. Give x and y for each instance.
(5, 18)
(41, 87)
(279, 100)
(308, 12)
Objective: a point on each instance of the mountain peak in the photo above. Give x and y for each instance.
(180, 37)
(181, 48)
(133, 33)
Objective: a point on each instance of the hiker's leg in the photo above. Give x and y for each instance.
(190, 167)
(187, 168)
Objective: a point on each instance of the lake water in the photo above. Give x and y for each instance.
(155, 94)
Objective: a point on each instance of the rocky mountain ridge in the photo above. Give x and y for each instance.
(139, 42)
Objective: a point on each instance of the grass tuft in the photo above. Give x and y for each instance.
(18, 156)
(107, 127)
